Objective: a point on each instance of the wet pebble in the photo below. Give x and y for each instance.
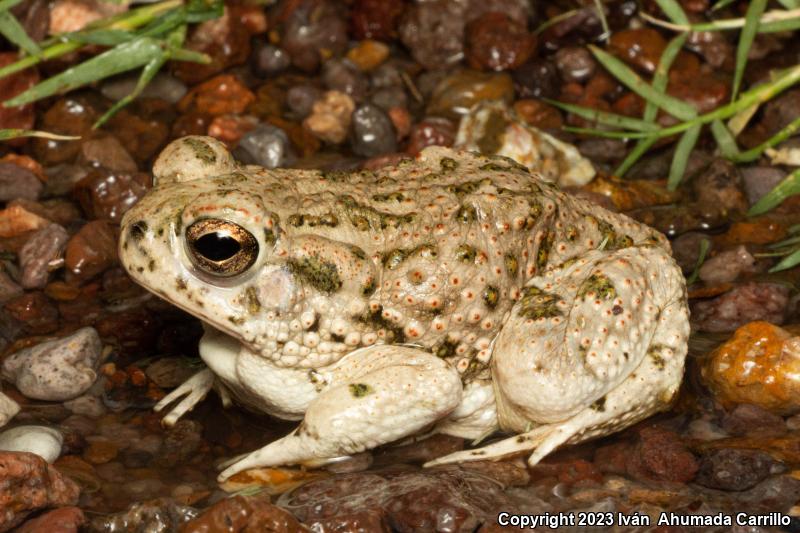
(330, 117)
(163, 514)
(713, 46)
(40, 440)
(376, 19)
(300, 99)
(106, 194)
(343, 76)
(720, 184)
(575, 64)
(220, 95)
(640, 47)
(733, 469)
(18, 182)
(727, 266)
(9, 289)
(759, 180)
(757, 365)
(495, 41)
(56, 370)
(63, 520)
(748, 419)
(91, 250)
(432, 131)
(100, 450)
(686, 249)
(312, 28)
(746, 303)
(86, 405)
(180, 443)
(265, 145)
(40, 250)
(69, 115)
(658, 454)
(434, 33)
(163, 86)
(268, 60)
(431, 500)
(455, 95)
(372, 132)
(35, 311)
(8, 409)
(537, 78)
(169, 372)
(108, 152)
(20, 116)
(225, 39)
(368, 54)
(28, 484)
(244, 513)
(16, 220)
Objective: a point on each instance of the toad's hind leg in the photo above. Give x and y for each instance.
(376, 395)
(588, 350)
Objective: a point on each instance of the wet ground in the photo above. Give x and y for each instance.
(360, 84)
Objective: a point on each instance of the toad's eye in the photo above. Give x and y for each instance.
(220, 247)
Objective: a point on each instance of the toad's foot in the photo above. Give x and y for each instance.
(194, 389)
(603, 346)
(377, 395)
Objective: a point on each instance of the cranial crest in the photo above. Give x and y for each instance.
(192, 158)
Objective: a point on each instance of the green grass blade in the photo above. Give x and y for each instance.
(102, 37)
(673, 10)
(625, 135)
(705, 244)
(555, 20)
(790, 261)
(660, 80)
(725, 141)
(752, 19)
(754, 153)
(641, 148)
(786, 188)
(604, 117)
(13, 133)
(5, 5)
(780, 25)
(148, 72)
(56, 50)
(119, 59)
(790, 4)
(791, 241)
(12, 30)
(681, 157)
(739, 121)
(601, 14)
(721, 4)
(624, 74)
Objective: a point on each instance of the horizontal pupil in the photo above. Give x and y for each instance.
(217, 246)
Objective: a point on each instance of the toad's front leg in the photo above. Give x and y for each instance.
(376, 395)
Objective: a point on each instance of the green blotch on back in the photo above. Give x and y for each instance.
(359, 390)
(654, 352)
(599, 285)
(320, 274)
(448, 163)
(536, 303)
(201, 150)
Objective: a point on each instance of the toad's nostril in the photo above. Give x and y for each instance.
(138, 230)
